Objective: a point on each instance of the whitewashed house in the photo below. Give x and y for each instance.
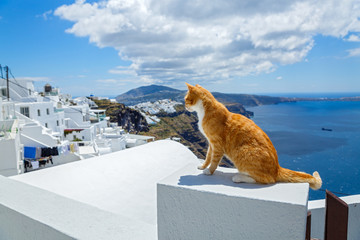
(10, 146)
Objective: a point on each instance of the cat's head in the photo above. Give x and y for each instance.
(192, 97)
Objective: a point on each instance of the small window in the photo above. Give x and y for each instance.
(25, 111)
(4, 92)
(46, 125)
(47, 111)
(57, 122)
(39, 113)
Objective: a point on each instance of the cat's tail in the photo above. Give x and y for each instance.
(287, 175)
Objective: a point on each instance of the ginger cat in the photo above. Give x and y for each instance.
(241, 141)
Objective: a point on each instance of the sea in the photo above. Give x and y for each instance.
(321, 136)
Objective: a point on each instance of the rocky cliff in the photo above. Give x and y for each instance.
(129, 119)
(132, 121)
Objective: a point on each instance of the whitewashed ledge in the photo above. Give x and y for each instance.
(107, 197)
(31, 213)
(195, 206)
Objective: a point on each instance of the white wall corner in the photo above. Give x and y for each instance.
(28, 212)
(191, 205)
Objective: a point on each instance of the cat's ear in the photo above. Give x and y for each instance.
(190, 87)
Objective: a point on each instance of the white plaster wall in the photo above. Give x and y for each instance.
(317, 209)
(44, 118)
(7, 110)
(122, 182)
(103, 124)
(194, 206)
(2, 109)
(34, 136)
(9, 157)
(15, 225)
(27, 212)
(65, 158)
(118, 144)
(10, 149)
(77, 114)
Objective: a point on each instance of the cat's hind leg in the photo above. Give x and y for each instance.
(244, 178)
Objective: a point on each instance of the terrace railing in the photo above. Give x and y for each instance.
(336, 219)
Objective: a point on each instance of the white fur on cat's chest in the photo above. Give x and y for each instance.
(199, 108)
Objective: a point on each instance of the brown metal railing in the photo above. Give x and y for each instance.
(336, 219)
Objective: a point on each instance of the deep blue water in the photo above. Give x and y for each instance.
(314, 95)
(296, 132)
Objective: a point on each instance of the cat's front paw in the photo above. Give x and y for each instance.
(206, 171)
(201, 167)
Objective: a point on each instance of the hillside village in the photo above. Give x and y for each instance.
(49, 128)
(150, 109)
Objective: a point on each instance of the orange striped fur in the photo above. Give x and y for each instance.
(241, 141)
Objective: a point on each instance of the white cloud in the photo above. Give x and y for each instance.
(279, 78)
(45, 15)
(36, 79)
(353, 38)
(123, 80)
(107, 81)
(208, 40)
(355, 52)
(122, 70)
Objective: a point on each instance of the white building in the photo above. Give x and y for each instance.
(10, 146)
(45, 113)
(34, 108)
(53, 120)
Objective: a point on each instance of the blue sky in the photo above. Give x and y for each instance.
(110, 47)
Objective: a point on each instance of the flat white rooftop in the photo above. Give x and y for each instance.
(122, 182)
